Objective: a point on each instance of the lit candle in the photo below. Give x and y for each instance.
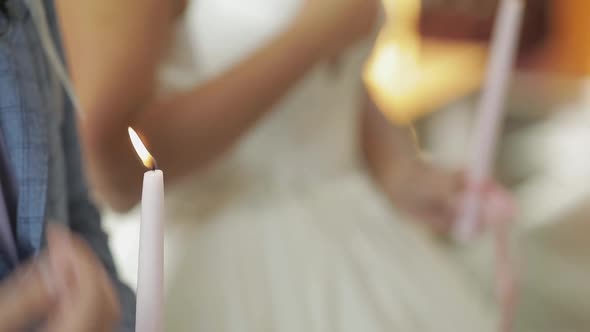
(150, 296)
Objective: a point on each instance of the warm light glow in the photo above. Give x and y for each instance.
(392, 61)
(408, 77)
(141, 150)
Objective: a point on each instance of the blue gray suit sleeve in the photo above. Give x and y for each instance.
(85, 219)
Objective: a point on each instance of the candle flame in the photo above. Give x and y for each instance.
(141, 150)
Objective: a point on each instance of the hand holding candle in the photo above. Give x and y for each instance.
(150, 295)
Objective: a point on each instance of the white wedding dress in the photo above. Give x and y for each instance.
(287, 232)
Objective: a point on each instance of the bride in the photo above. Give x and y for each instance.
(291, 227)
(288, 232)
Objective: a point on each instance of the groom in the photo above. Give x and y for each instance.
(55, 265)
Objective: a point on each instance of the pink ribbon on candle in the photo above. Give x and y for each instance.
(497, 205)
(498, 209)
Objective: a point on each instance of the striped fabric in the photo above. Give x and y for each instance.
(8, 204)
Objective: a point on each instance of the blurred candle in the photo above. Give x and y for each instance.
(487, 130)
(150, 296)
(490, 112)
(569, 38)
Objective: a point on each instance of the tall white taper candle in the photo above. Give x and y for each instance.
(150, 274)
(490, 112)
(487, 130)
(150, 297)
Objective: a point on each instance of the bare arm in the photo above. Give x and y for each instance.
(114, 48)
(412, 184)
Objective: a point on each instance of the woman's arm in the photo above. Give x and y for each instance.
(114, 48)
(412, 184)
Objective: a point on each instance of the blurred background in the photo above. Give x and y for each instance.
(426, 67)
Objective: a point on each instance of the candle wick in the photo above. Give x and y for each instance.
(154, 164)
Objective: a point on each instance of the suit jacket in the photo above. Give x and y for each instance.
(39, 127)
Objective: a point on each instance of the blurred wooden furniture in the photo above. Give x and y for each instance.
(569, 38)
(555, 32)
